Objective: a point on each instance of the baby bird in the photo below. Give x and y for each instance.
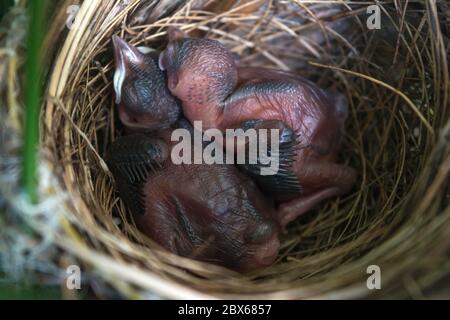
(139, 84)
(203, 74)
(212, 213)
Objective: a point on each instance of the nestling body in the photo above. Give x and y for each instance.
(203, 74)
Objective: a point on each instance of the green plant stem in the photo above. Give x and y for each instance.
(32, 97)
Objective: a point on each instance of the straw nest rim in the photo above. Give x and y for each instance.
(397, 217)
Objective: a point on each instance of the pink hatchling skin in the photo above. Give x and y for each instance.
(203, 74)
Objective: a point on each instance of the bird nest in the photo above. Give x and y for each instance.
(396, 79)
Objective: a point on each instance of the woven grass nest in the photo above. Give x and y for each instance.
(397, 137)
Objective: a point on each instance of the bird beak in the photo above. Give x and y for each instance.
(161, 64)
(175, 34)
(124, 55)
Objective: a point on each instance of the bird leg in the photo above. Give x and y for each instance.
(331, 180)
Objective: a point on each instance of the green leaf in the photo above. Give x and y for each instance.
(36, 9)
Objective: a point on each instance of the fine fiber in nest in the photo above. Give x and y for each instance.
(397, 216)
